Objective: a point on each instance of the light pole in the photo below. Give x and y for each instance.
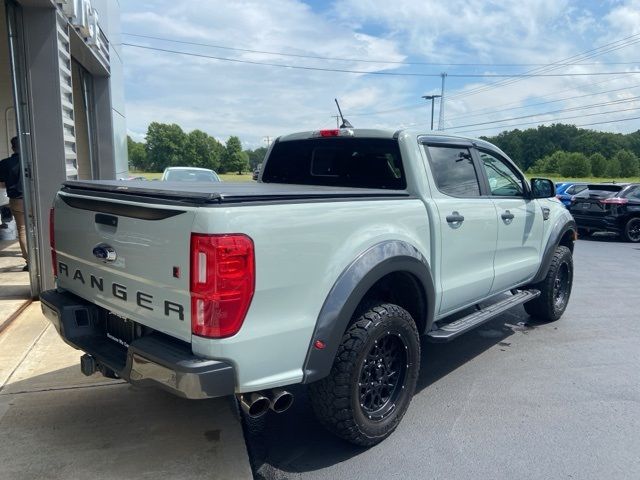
(431, 97)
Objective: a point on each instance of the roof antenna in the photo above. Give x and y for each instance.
(345, 123)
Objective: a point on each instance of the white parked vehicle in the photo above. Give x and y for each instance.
(189, 174)
(352, 244)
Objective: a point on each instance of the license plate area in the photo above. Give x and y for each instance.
(119, 329)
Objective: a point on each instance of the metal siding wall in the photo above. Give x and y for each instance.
(49, 134)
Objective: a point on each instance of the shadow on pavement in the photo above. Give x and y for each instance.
(295, 441)
(603, 237)
(59, 429)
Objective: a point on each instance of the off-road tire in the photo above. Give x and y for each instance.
(555, 288)
(337, 398)
(631, 230)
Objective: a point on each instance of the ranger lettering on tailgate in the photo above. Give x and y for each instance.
(117, 290)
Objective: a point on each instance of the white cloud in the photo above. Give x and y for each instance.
(254, 101)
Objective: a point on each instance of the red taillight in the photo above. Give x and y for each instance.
(614, 201)
(222, 283)
(330, 133)
(52, 242)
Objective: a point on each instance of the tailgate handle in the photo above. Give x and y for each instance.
(109, 220)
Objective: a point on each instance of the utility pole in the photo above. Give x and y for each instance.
(431, 97)
(268, 140)
(337, 117)
(441, 117)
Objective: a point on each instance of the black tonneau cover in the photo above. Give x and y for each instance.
(181, 193)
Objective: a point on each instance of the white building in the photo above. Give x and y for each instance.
(61, 63)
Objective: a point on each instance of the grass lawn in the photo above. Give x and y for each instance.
(586, 179)
(226, 177)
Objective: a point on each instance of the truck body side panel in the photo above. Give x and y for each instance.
(300, 251)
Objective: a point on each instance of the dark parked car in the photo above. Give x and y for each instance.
(609, 208)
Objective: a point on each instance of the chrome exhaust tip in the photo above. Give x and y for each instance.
(280, 400)
(254, 404)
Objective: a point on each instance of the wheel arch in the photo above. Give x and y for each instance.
(391, 267)
(563, 233)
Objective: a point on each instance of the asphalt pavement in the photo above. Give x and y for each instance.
(512, 399)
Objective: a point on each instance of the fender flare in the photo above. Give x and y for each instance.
(557, 232)
(351, 287)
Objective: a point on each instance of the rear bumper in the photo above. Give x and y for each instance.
(152, 360)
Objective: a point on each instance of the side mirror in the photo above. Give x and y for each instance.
(542, 188)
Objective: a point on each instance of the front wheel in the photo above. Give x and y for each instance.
(631, 231)
(555, 289)
(373, 377)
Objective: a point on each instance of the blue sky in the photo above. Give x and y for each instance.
(254, 101)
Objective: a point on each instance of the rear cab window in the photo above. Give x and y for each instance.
(337, 162)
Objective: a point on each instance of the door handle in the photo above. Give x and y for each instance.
(507, 215)
(455, 217)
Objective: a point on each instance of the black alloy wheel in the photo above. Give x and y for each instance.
(632, 230)
(561, 287)
(383, 376)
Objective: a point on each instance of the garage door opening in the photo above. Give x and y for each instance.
(15, 283)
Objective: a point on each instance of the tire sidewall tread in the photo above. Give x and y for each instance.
(335, 399)
(544, 307)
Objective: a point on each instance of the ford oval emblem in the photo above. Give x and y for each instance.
(105, 253)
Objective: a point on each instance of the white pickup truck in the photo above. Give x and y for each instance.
(352, 245)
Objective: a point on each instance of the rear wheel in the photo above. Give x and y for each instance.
(632, 230)
(373, 377)
(555, 289)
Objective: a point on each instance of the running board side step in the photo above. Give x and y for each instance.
(451, 330)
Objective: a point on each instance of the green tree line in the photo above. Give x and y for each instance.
(559, 149)
(571, 151)
(168, 145)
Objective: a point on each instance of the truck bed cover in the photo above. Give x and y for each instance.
(181, 193)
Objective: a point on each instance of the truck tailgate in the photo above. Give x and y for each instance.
(148, 280)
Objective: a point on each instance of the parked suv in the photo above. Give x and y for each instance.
(609, 208)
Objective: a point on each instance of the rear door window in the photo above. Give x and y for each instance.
(633, 193)
(454, 171)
